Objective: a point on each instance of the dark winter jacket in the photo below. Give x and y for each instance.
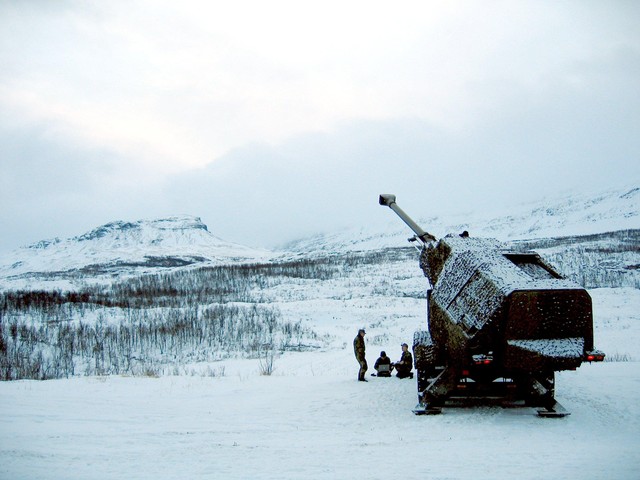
(358, 347)
(406, 362)
(382, 361)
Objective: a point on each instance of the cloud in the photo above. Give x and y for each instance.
(177, 86)
(49, 188)
(275, 120)
(265, 195)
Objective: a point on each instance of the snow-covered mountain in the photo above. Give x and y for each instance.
(570, 215)
(124, 247)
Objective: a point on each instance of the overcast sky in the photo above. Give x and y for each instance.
(275, 120)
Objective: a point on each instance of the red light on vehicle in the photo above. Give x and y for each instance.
(465, 373)
(482, 359)
(594, 356)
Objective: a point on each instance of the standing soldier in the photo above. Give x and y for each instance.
(358, 349)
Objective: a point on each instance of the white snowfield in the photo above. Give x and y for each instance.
(312, 419)
(306, 425)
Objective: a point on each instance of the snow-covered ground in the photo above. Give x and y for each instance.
(314, 424)
(312, 419)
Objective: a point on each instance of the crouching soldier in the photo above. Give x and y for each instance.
(404, 366)
(383, 365)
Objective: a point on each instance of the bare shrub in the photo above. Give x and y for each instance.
(267, 361)
(618, 357)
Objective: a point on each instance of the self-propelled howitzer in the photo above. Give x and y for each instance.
(500, 324)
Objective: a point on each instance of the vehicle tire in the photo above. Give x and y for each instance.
(424, 357)
(424, 350)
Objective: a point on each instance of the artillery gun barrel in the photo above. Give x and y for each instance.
(389, 200)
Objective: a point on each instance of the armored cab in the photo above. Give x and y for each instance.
(500, 323)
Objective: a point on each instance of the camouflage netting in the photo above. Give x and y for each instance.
(533, 355)
(485, 299)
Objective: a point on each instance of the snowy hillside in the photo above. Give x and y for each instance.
(612, 210)
(123, 248)
(131, 248)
